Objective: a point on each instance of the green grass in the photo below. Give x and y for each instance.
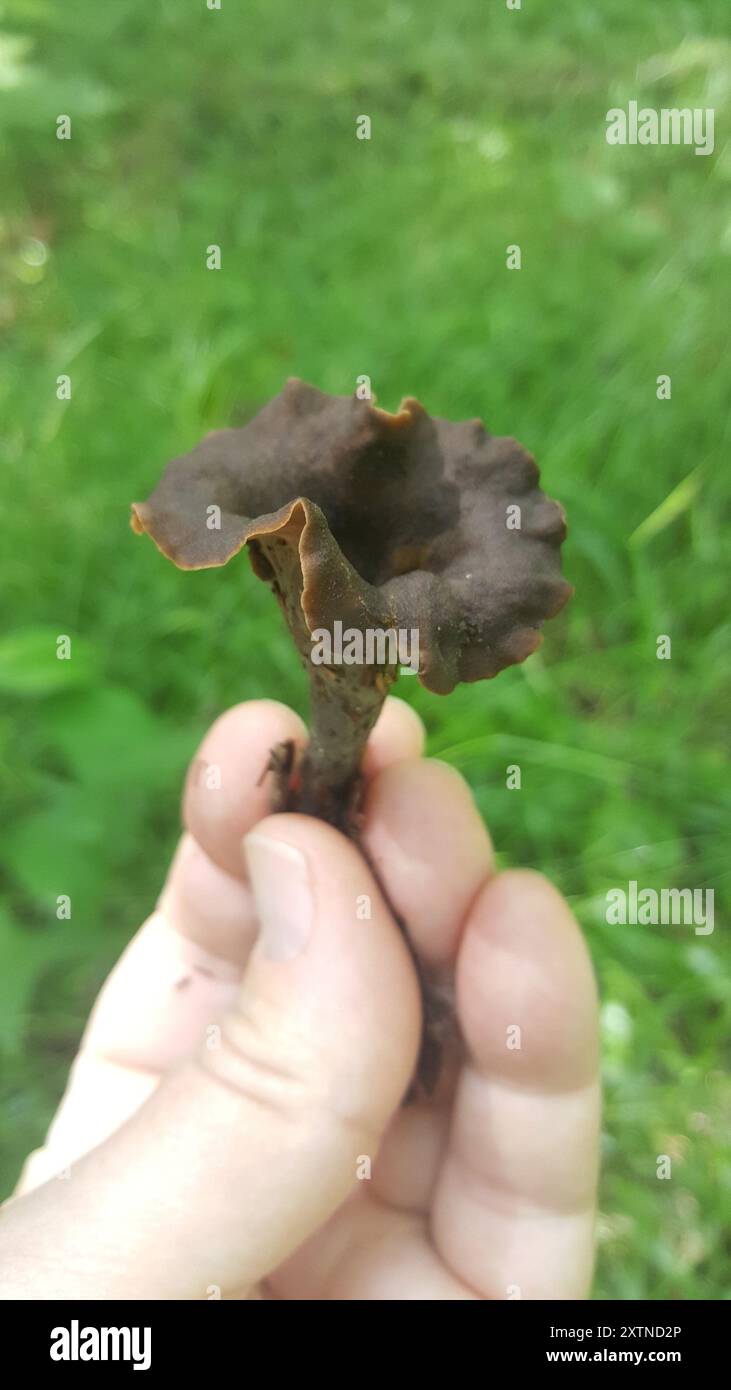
(384, 257)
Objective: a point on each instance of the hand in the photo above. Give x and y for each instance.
(245, 1062)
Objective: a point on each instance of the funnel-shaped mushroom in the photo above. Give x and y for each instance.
(381, 523)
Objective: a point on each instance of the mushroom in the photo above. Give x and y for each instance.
(371, 525)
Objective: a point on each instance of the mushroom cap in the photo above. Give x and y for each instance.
(401, 521)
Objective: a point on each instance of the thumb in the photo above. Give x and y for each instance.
(243, 1151)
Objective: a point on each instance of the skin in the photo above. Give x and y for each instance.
(226, 1099)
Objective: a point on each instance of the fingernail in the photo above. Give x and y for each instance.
(281, 885)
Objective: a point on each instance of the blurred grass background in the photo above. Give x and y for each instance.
(386, 257)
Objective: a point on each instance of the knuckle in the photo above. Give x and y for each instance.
(264, 1066)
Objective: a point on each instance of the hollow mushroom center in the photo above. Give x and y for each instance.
(385, 516)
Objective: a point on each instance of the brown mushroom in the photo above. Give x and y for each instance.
(382, 524)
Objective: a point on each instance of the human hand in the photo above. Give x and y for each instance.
(234, 1081)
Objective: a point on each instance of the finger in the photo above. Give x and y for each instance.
(514, 1203)
(398, 734)
(429, 846)
(227, 790)
(240, 1155)
(224, 793)
(367, 1252)
(208, 906)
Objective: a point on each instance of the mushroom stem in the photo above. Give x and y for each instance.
(345, 702)
(343, 710)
